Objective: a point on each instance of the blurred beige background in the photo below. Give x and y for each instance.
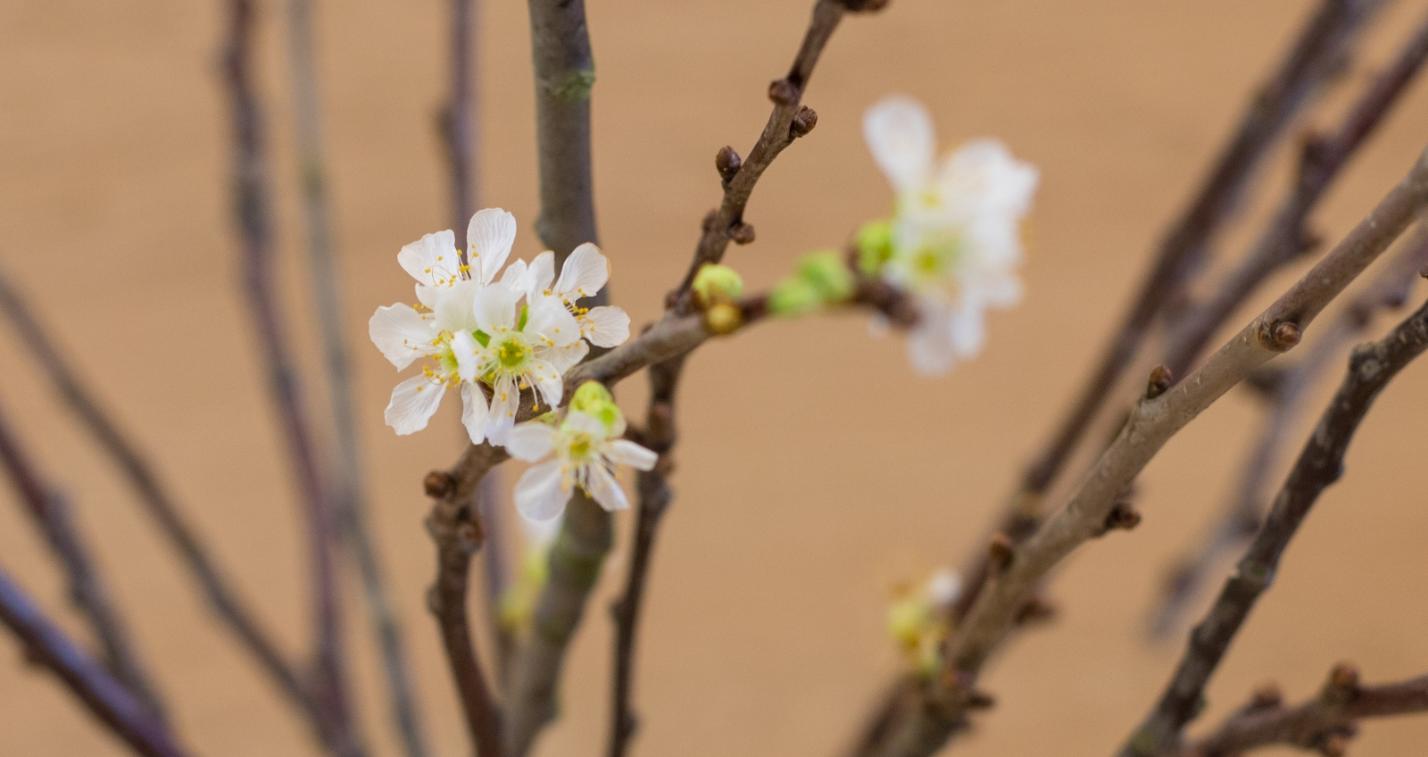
(816, 470)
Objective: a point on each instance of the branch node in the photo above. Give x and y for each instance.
(1122, 517)
(863, 6)
(1036, 612)
(438, 484)
(1000, 552)
(728, 162)
(783, 92)
(742, 233)
(803, 122)
(1267, 697)
(1343, 684)
(1159, 381)
(1280, 336)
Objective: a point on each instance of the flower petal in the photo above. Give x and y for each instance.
(930, 346)
(626, 452)
(495, 308)
(468, 355)
(549, 318)
(899, 133)
(432, 259)
(505, 400)
(605, 326)
(488, 242)
(540, 273)
(413, 403)
(453, 309)
(546, 380)
(401, 333)
(474, 412)
(583, 274)
(605, 490)
(983, 176)
(566, 357)
(530, 441)
(539, 494)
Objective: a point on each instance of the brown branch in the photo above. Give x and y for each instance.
(1317, 55)
(349, 498)
(1243, 511)
(455, 526)
(1320, 464)
(252, 218)
(1151, 424)
(1324, 724)
(105, 697)
(49, 512)
(156, 498)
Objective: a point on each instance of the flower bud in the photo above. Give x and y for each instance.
(594, 400)
(874, 246)
(828, 275)
(716, 283)
(723, 318)
(794, 296)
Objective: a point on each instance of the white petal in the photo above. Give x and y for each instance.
(546, 380)
(943, 588)
(505, 400)
(549, 318)
(605, 326)
(453, 309)
(495, 308)
(626, 452)
(929, 345)
(401, 334)
(984, 175)
(530, 441)
(605, 489)
(515, 275)
(474, 412)
(968, 330)
(427, 295)
(431, 259)
(488, 242)
(899, 132)
(539, 495)
(413, 403)
(468, 355)
(540, 273)
(566, 357)
(583, 423)
(583, 274)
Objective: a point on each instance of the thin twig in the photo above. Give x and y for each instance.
(50, 514)
(1324, 724)
(349, 499)
(1317, 55)
(156, 498)
(1244, 509)
(1154, 420)
(107, 698)
(1320, 464)
(251, 216)
(455, 526)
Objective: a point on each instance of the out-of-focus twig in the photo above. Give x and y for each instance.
(50, 514)
(1320, 464)
(107, 699)
(347, 486)
(252, 220)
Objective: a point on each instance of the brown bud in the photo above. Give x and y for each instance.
(438, 484)
(1344, 678)
(980, 700)
(1035, 611)
(469, 535)
(742, 233)
(728, 162)
(1160, 380)
(1284, 336)
(1334, 745)
(1123, 517)
(1000, 551)
(803, 121)
(783, 92)
(1266, 697)
(723, 318)
(863, 6)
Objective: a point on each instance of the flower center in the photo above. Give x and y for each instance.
(580, 446)
(512, 353)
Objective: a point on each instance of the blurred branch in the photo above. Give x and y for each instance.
(1243, 511)
(1324, 724)
(1320, 464)
(349, 499)
(50, 514)
(1020, 569)
(156, 499)
(455, 526)
(107, 698)
(251, 216)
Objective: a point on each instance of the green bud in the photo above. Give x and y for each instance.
(826, 272)
(875, 246)
(717, 283)
(793, 297)
(594, 400)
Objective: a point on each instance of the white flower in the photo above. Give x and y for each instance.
(584, 274)
(435, 262)
(584, 448)
(954, 239)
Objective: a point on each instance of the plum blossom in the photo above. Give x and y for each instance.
(917, 619)
(954, 241)
(583, 274)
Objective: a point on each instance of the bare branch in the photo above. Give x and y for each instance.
(455, 526)
(50, 514)
(1320, 464)
(1151, 424)
(349, 500)
(1324, 724)
(107, 698)
(251, 216)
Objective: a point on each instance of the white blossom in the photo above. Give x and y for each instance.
(582, 450)
(582, 275)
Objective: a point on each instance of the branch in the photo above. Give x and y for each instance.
(1323, 724)
(155, 497)
(1320, 464)
(455, 526)
(251, 215)
(50, 514)
(349, 498)
(1151, 424)
(1243, 511)
(107, 698)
